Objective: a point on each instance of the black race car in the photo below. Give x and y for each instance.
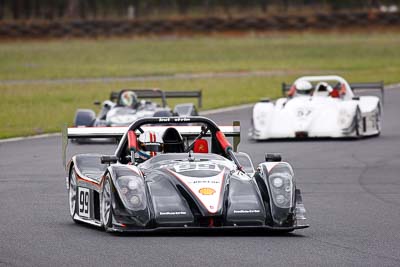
(128, 105)
(197, 181)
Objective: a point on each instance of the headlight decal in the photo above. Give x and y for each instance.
(344, 118)
(280, 179)
(132, 192)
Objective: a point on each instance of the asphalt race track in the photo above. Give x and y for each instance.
(351, 190)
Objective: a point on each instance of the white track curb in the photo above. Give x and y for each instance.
(15, 139)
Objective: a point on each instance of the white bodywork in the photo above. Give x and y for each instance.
(317, 115)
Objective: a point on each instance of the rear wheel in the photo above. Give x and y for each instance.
(106, 207)
(84, 117)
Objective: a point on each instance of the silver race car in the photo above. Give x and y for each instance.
(128, 105)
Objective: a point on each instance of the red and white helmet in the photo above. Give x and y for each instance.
(150, 143)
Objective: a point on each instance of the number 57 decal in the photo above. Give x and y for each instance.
(84, 198)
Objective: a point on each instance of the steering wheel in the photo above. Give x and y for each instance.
(337, 86)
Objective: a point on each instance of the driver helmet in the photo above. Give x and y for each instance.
(149, 144)
(129, 99)
(303, 87)
(323, 87)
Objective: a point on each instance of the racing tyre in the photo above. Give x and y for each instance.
(106, 205)
(358, 127)
(84, 117)
(378, 120)
(72, 196)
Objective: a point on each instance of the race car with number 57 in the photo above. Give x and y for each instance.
(319, 106)
(177, 173)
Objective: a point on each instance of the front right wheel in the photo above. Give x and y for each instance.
(358, 124)
(106, 206)
(72, 188)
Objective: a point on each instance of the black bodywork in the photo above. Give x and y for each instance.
(168, 186)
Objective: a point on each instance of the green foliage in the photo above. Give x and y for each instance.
(87, 9)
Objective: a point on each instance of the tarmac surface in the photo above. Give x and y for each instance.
(351, 190)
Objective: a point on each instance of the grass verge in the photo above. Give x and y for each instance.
(37, 108)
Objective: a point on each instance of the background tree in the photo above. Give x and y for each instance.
(72, 9)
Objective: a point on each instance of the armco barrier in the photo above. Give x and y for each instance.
(95, 28)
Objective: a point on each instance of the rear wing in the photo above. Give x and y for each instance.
(354, 86)
(157, 93)
(369, 86)
(186, 94)
(118, 132)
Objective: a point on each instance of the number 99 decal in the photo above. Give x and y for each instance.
(83, 200)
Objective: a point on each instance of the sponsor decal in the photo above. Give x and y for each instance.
(207, 191)
(204, 182)
(202, 148)
(181, 119)
(163, 120)
(246, 211)
(173, 213)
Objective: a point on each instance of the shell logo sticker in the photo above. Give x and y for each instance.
(207, 191)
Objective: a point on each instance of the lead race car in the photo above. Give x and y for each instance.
(128, 105)
(319, 106)
(194, 180)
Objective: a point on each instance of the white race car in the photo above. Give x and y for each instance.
(319, 106)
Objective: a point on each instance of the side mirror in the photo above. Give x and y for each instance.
(97, 103)
(265, 100)
(273, 157)
(108, 159)
(356, 98)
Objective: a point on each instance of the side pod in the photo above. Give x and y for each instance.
(285, 200)
(130, 199)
